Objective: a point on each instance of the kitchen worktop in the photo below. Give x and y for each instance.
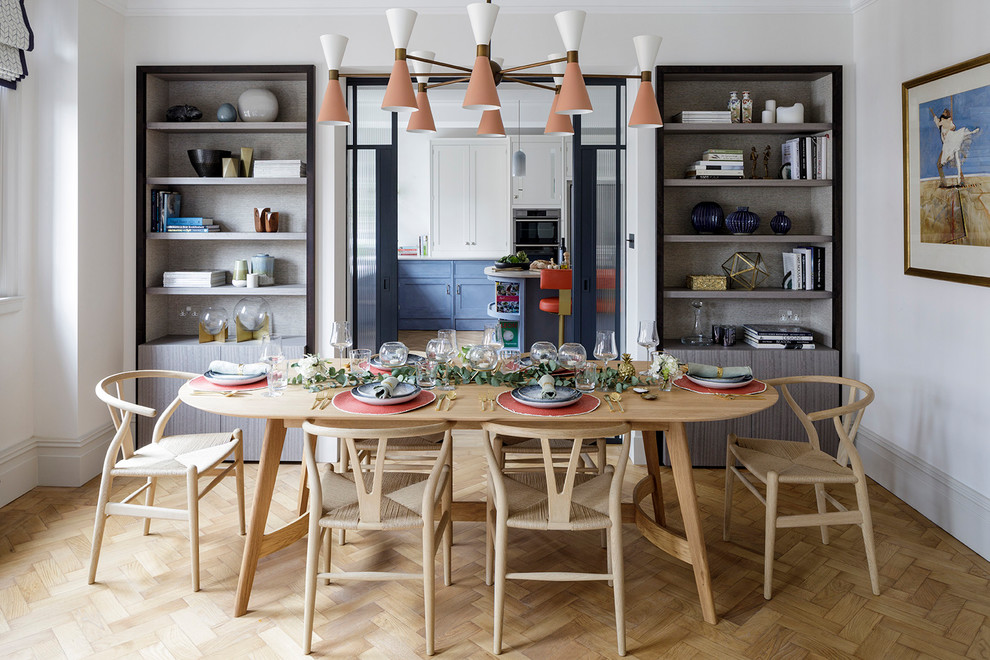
(512, 273)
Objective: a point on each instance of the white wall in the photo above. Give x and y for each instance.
(921, 343)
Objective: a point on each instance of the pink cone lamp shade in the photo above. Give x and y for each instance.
(558, 124)
(399, 94)
(421, 121)
(646, 112)
(481, 94)
(491, 124)
(574, 99)
(333, 111)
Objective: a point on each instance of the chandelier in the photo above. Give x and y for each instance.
(570, 95)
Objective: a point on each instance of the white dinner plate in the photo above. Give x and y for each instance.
(232, 379)
(400, 394)
(718, 383)
(529, 395)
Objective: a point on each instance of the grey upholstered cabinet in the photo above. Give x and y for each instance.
(813, 205)
(167, 318)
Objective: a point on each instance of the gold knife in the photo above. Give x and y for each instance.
(440, 401)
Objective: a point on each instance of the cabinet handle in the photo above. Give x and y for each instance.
(448, 289)
(458, 289)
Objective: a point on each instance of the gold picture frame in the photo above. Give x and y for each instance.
(946, 136)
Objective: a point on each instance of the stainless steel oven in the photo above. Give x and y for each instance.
(537, 232)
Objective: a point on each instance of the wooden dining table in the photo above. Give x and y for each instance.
(667, 414)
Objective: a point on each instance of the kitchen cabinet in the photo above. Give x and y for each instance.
(440, 294)
(470, 198)
(544, 181)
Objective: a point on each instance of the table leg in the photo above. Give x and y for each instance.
(271, 454)
(687, 497)
(651, 448)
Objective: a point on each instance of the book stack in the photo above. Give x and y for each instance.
(191, 225)
(804, 269)
(807, 157)
(408, 250)
(703, 116)
(279, 169)
(717, 164)
(778, 336)
(194, 278)
(164, 205)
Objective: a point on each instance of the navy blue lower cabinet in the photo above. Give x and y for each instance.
(444, 294)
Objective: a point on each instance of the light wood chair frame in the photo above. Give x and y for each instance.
(559, 516)
(110, 390)
(437, 532)
(846, 419)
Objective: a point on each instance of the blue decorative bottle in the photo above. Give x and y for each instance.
(780, 224)
(742, 221)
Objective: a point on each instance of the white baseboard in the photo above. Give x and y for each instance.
(949, 503)
(52, 462)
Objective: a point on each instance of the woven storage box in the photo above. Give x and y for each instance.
(707, 282)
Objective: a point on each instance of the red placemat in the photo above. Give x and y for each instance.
(586, 404)
(345, 402)
(752, 387)
(200, 384)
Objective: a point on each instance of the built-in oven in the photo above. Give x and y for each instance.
(537, 232)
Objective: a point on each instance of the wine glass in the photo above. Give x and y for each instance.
(648, 339)
(697, 337)
(340, 336)
(493, 336)
(441, 350)
(451, 336)
(605, 348)
(272, 355)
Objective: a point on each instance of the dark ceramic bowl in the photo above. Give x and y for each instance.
(208, 162)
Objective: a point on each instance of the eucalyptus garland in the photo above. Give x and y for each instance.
(316, 374)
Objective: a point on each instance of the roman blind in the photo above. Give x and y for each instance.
(15, 38)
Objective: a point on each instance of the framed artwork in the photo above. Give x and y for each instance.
(946, 124)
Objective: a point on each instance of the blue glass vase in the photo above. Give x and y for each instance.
(707, 217)
(742, 221)
(780, 224)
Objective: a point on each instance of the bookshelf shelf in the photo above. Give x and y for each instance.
(747, 183)
(672, 128)
(227, 236)
(755, 294)
(751, 238)
(228, 127)
(220, 181)
(229, 290)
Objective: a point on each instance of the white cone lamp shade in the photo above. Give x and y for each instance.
(645, 112)
(399, 94)
(333, 111)
(574, 99)
(421, 121)
(481, 93)
(557, 124)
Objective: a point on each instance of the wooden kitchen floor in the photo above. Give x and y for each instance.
(934, 602)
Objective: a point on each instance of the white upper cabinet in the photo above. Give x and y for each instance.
(543, 185)
(471, 213)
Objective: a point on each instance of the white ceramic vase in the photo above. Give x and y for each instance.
(257, 105)
(793, 114)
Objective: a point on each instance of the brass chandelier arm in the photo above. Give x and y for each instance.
(527, 82)
(438, 63)
(447, 82)
(534, 65)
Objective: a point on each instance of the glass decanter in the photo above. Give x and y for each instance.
(697, 337)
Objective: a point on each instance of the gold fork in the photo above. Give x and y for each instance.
(320, 396)
(608, 401)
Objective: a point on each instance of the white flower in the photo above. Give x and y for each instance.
(665, 367)
(310, 367)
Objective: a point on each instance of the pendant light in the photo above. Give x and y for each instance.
(557, 124)
(574, 99)
(421, 121)
(491, 124)
(481, 93)
(333, 111)
(646, 112)
(399, 94)
(518, 157)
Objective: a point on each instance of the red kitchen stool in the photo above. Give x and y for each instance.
(561, 280)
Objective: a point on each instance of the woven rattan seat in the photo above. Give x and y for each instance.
(776, 462)
(188, 456)
(556, 497)
(370, 497)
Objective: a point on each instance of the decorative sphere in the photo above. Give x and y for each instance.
(393, 354)
(571, 355)
(252, 312)
(707, 217)
(227, 112)
(542, 351)
(780, 224)
(213, 320)
(257, 105)
(482, 357)
(742, 221)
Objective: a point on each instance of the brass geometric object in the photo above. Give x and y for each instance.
(205, 337)
(243, 334)
(746, 270)
(247, 161)
(231, 167)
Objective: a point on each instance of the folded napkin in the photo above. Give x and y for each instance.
(234, 369)
(383, 390)
(549, 387)
(708, 371)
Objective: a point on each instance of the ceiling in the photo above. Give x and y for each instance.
(325, 7)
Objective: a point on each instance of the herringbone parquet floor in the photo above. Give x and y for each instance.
(934, 600)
